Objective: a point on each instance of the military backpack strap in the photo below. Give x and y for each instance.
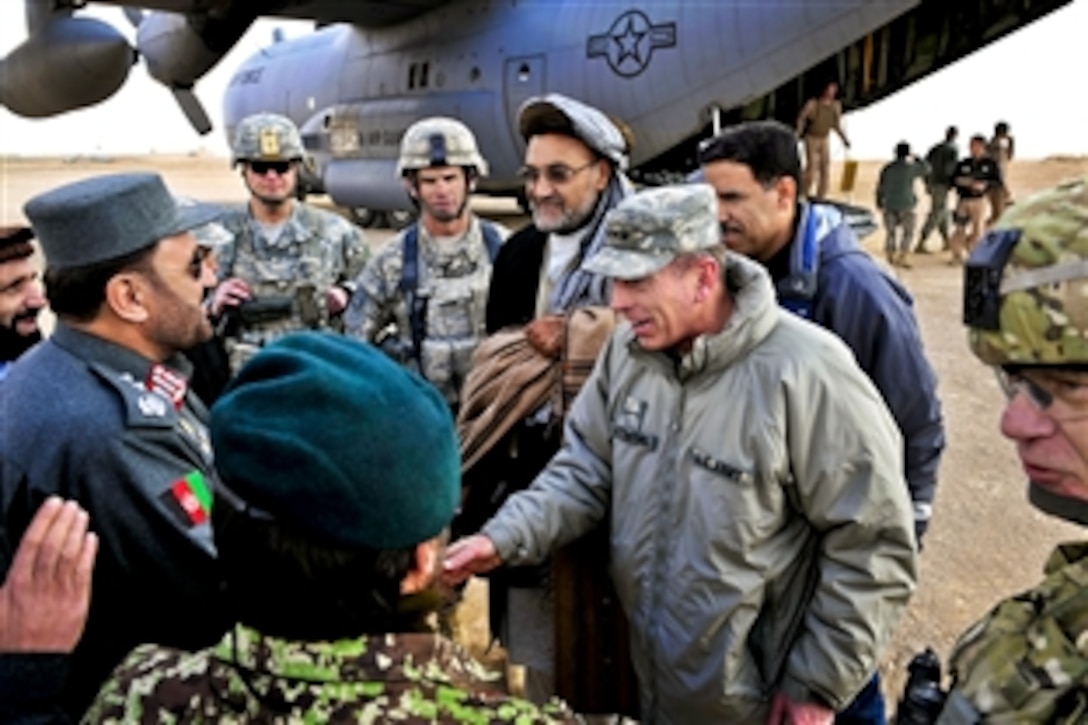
(409, 287)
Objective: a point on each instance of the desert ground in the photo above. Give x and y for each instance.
(985, 541)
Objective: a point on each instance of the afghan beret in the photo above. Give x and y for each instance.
(329, 435)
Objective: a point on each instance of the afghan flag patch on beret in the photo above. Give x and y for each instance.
(189, 499)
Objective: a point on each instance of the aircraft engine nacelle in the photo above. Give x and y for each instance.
(68, 63)
(179, 49)
(365, 184)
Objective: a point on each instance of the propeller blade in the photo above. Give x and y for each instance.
(135, 15)
(193, 110)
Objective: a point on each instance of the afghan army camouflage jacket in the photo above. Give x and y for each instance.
(250, 678)
(315, 250)
(454, 277)
(1027, 661)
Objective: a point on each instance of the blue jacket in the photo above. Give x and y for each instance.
(835, 284)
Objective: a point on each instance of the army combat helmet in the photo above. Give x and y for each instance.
(266, 137)
(1026, 284)
(440, 141)
(1026, 304)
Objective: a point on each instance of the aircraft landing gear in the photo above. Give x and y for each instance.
(373, 218)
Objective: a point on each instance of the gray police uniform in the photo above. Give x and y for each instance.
(454, 277)
(289, 274)
(95, 422)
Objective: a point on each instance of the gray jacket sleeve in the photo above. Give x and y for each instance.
(573, 493)
(849, 486)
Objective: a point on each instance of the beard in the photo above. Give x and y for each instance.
(13, 344)
(554, 216)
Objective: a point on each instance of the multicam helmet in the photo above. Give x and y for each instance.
(1026, 290)
(439, 141)
(266, 137)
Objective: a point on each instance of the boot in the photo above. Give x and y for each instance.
(903, 259)
(889, 254)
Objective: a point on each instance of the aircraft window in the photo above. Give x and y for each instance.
(523, 72)
(474, 74)
(424, 71)
(411, 76)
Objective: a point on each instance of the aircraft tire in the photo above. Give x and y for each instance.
(364, 217)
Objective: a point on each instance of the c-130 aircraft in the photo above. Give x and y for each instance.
(672, 71)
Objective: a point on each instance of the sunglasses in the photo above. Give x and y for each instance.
(260, 168)
(556, 174)
(195, 268)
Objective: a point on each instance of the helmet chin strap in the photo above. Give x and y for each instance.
(1063, 507)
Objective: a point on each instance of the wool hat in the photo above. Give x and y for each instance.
(556, 113)
(329, 435)
(109, 216)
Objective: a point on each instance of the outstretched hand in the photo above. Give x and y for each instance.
(468, 556)
(47, 593)
(785, 711)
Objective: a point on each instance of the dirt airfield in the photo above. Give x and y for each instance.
(985, 541)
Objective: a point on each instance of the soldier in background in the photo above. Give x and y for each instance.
(1026, 661)
(975, 178)
(941, 159)
(422, 298)
(21, 297)
(1001, 149)
(290, 265)
(330, 547)
(818, 118)
(895, 197)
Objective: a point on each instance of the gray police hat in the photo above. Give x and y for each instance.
(106, 217)
(647, 230)
(556, 113)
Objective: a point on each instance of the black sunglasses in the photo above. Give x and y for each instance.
(196, 263)
(263, 167)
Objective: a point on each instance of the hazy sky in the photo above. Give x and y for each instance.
(1030, 79)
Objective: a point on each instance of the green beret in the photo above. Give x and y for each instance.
(329, 435)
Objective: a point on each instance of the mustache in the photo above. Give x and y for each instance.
(728, 227)
(27, 315)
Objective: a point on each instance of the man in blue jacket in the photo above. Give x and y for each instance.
(822, 274)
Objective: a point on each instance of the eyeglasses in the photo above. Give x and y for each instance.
(260, 168)
(195, 268)
(1063, 395)
(556, 174)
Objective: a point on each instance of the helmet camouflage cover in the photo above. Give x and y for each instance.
(266, 137)
(1043, 313)
(439, 141)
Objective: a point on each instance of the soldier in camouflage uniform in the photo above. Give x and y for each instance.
(330, 563)
(1027, 660)
(290, 265)
(427, 312)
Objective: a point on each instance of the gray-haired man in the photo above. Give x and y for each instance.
(763, 549)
